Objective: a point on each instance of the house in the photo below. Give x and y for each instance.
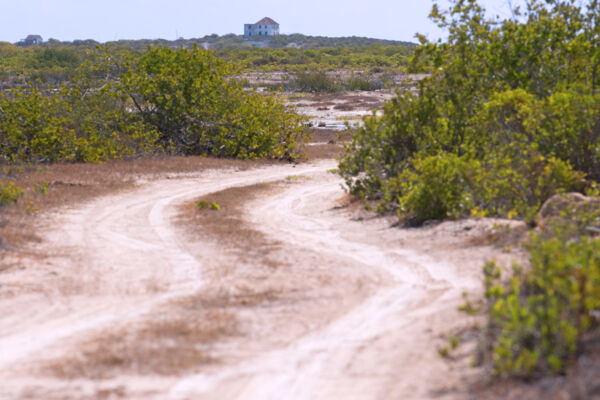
(32, 39)
(266, 27)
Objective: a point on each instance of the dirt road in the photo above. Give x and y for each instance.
(356, 310)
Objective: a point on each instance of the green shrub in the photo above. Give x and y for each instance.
(191, 98)
(315, 82)
(177, 101)
(213, 205)
(434, 187)
(566, 124)
(364, 83)
(9, 193)
(517, 183)
(73, 123)
(517, 98)
(537, 323)
(506, 184)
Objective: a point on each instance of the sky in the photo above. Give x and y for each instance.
(107, 20)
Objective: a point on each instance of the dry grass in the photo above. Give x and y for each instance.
(227, 225)
(181, 336)
(49, 187)
(344, 107)
(178, 340)
(332, 144)
(501, 236)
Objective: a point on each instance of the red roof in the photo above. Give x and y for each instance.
(266, 21)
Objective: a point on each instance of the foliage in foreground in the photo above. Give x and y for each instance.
(541, 319)
(509, 115)
(175, 101)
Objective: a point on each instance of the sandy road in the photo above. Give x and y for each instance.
(117, 259)
(380, 349)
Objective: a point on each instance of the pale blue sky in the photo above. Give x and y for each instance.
(107, 20)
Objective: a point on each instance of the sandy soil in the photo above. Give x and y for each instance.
(130, 303)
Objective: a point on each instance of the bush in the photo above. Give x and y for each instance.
(538, 322)
(9, 193)
(434, 187)
(445, 185)
(176, 101)
(566, 124)
(70, 124)
(365, 83)
(315, 82)
(531, 124)
(191, 98)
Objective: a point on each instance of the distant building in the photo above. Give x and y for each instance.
(32, 39)
(266, 27)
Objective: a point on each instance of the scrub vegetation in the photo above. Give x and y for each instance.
(508, 117)
(53, 62)
(171, 101)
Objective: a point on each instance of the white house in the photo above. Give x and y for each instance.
(266, 27)
(32, 39)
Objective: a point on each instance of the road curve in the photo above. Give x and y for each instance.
(119, 258)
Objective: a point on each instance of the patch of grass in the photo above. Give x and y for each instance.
(228, 226)
(296, 177)
(203, 205)
(176, 341)
(69, 184)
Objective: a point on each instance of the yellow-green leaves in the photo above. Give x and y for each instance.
(516, 97)
(9, 193)
(191, 98)
(537, 323)
(177, 101)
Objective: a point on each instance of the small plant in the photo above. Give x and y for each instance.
(41, 188)
(468, 306)
(203, 205)
(454, 341)
(9, 193)
(31, 209)
(444, 352)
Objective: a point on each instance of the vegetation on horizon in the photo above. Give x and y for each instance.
(54, 63)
